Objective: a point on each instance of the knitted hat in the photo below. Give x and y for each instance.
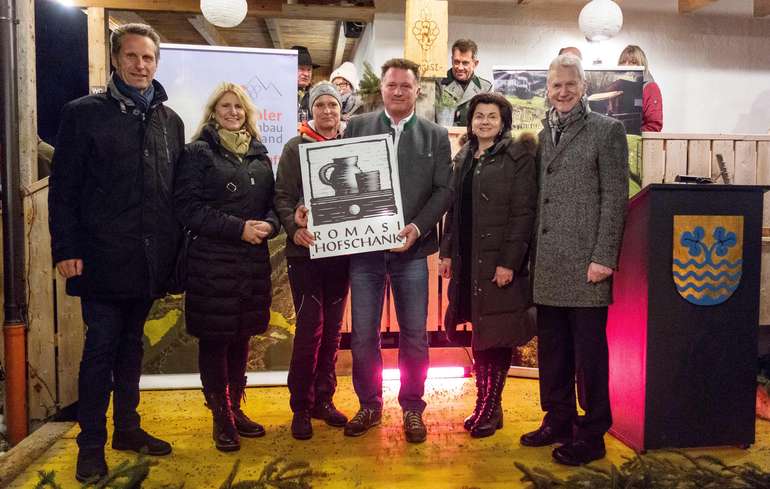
(303, 57)
(323, 88)
(348, 71)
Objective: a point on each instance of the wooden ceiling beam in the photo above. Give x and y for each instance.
(690, 6)
(121, 17)
(339, 46)
(264, 8)
(207, 30)
(274, 29)
(761, 8)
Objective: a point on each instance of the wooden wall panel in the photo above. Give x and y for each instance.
(70, 335)
(41, 338)
(653, 161)
(699, 158)
(745, 163)
(676, 159)
(763, 177)
(727, 150)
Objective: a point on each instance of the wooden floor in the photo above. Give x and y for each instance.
(379, 459)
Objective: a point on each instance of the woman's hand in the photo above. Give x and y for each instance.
(300, 216)
(264, 229)
(302, 237)
(445, 268)
(503, 276)
(251, 233)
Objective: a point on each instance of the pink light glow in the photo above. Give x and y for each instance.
(433, 373)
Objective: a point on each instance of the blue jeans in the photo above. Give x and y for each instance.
(409, 282)
(112, 361)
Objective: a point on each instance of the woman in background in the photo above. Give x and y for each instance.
(485, 249)
(652, 100)
(224, 197)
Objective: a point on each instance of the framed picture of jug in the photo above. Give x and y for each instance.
(352, 190)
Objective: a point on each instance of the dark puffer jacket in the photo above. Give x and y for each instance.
(110, 197)
(228, 279)
(504, 197)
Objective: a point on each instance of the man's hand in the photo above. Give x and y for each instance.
(300, 216)
(251, 233)
(303, 237)
(597, 273)
(70, 268)
(503, 276)
(411, 235)
(445, 268)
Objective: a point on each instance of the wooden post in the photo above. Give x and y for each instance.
(27, 90)
(98, 60)
(426, 37)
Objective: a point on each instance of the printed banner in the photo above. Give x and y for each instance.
(352, 190)
(190, 73)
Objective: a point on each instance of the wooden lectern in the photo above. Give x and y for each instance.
(682, 331)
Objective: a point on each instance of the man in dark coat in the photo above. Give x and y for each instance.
(305, 67)
(583, 180)
(422, 154)
(113, 235)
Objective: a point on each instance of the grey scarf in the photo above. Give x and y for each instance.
(559, 123)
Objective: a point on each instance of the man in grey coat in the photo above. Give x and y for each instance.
(583, 180)
(422, 153)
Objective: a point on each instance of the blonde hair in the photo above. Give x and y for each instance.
(632, 55)
(251, 110)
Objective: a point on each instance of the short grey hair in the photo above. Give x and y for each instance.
(568, 61)
(116, 38)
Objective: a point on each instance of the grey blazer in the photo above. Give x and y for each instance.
(424, 167)
(581, 210)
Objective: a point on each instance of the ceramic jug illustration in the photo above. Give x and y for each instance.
(342, 177)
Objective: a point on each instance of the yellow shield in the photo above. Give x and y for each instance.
(708, 257)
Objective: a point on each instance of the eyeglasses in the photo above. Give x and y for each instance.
(342, 84)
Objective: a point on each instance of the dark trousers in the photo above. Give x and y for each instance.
(222, 361)
(319, 289)
(111, 362)
(572, 347)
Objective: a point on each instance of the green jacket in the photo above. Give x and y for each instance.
(462, 95)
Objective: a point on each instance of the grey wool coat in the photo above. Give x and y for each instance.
(424, 166)
(504, 197)
(581, 210)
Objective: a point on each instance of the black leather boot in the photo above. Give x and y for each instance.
(225, 434)
(480, 369)
(243, 424)
(491, 417)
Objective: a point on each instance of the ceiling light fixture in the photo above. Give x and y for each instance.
(224, 13)
(600, 20)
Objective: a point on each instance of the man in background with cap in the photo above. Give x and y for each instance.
(304, 78)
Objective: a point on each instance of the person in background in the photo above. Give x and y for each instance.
(422, 152)
(114, 236)
(583, 180)
(224, 196)
(319, 287)
(485, 249)
(571, 50)
(345, 78)
(652, 100)
(461, 82)
(305, 67)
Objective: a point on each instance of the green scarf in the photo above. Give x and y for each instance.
(237, 142)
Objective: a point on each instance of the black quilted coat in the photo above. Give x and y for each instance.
(228, 279)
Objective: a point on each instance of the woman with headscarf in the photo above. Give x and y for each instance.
(224, 197)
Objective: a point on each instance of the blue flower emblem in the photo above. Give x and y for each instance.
(724, 240)
(693, 240)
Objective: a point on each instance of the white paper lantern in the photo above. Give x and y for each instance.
(224, 13)
(600, 20)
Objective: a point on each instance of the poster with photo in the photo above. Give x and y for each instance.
(612, 91)
(353, 193)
